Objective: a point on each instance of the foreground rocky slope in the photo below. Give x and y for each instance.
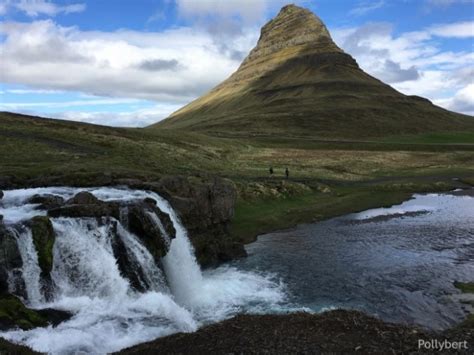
(297, 82)
(301, 333)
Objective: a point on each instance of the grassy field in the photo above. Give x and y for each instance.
(327, 178)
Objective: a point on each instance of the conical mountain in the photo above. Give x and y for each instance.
(298, 82)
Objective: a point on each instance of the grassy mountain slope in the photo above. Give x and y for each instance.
(297, 82)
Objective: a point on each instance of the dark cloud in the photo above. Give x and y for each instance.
(159, 65)
(393, 73)
(356, 43)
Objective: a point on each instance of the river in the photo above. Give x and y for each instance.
(397, 263)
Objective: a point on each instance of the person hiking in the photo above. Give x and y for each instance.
(271, 171)
(287, 173)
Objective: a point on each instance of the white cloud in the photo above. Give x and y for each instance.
(34, 8)
(32, 91)
(462, 101)
(173, 66)
(459, 29)
(64, 104)
(413, 62)
(137, 118)
(364, 7)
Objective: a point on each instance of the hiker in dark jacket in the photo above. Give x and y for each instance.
(271, 171)
(287, 173)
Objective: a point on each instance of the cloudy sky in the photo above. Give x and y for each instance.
(133, 62)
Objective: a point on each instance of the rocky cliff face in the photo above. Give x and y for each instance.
(298, 82)
(206, 207)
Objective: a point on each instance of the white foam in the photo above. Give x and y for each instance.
(108, 314)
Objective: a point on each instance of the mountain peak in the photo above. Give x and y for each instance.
(293, 30)
(298, 82)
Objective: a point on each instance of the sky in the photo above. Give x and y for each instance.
(134, 62)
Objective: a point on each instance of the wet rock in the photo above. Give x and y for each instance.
(10, 348)
(85, 204)
(83, 198)
(1, 194)
(47, 201)
(10, 259)
(54, 316)
(14, 314)
(142, 225)
(43, 239)
(127, 266)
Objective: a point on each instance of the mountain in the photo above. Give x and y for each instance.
(298, 82)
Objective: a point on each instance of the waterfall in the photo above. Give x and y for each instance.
(156, 220)
(181, 267)
(84, 264)
(142, 258)
(108, 313)
(31, 272)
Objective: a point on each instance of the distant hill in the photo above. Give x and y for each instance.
(298, 82)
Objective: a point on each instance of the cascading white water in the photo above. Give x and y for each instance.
(108, 314)
(30, 271)
(142, 257)
(84, 264)
(156, 220)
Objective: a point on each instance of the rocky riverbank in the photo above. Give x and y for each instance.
(337, 331)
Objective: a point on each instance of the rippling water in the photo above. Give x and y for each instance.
(397, 263)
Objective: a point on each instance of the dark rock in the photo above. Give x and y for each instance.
(128, 267)
(85, 204)
(1, 194)
(54, 316)
(142, 225)
(83, 198)
(47, 201)
(14, 314)
(76, 211)
(206, 208)
(43, 239)
(334, 332)
(10, 348)
(10, 258)
(166, 222)
(150, 201)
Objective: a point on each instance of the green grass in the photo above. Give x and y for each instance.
(434, 138)
(255, 217)
(359, 174)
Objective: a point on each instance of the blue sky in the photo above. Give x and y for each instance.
(132, 62)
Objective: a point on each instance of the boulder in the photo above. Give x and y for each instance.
(47, 201)
(1, 194)
(84, 204)
(83, 198)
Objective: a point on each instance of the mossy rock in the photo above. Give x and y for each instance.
(464, 287)
(9, 348)
(13, 313)
(43, 239)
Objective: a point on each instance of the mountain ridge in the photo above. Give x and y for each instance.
(298, 82)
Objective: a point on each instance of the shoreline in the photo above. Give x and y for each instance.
(338, 331)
